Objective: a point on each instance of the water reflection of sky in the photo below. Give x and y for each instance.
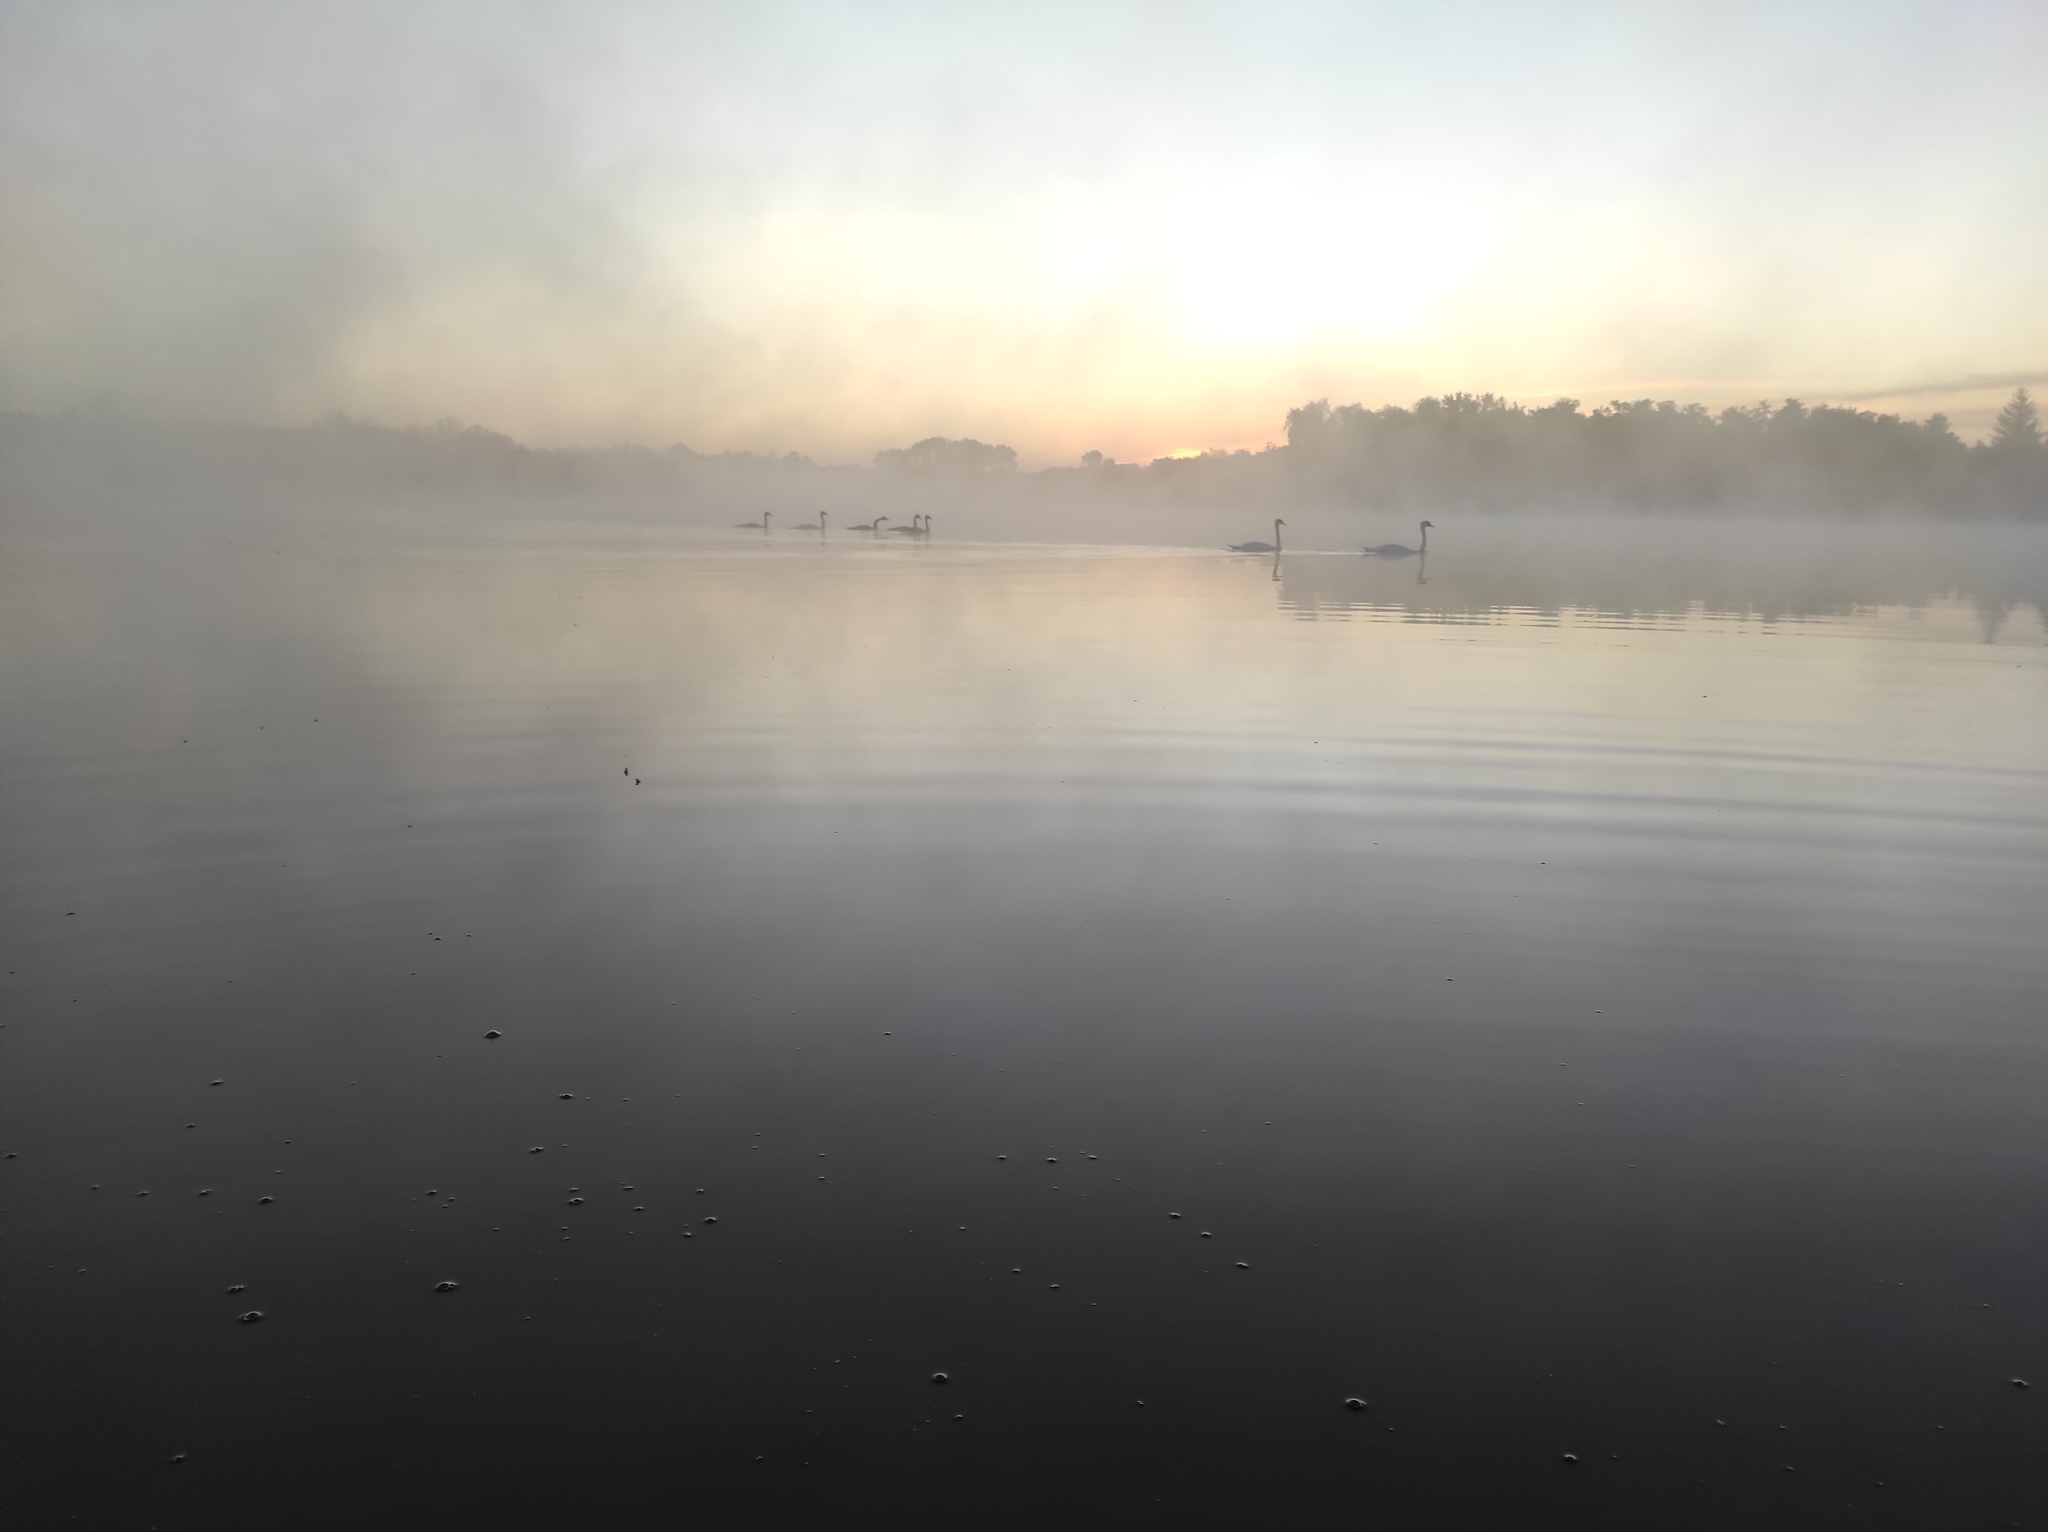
(819, 876)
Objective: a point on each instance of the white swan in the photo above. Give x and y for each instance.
(1272, 547)
(1401, 550)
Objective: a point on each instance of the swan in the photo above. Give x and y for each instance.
(868, 526)
(813, 526)
(1400, 551)
(915, 529)
(1272, 547)
(757, 526)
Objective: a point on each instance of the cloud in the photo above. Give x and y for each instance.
(1976, 384)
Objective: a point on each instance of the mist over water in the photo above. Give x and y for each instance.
(814, 767)
(1578, 995)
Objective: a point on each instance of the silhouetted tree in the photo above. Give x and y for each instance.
(936, 454)
(2019, 425)
(1478, 450)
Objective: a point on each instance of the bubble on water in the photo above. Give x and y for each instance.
(494, 1034)
(206, 1191)
(1207, 1235)
(2017, 1382)
(565, 1096)
(250, 1318)
(216, 1082)
(1571, 1457)
(537, 1148)
(575, 1202)
(1052, 1162)
(260, 1201)
(1173, 1215)
(432, 1193)
(939, 1377)
(1354, 1404)
(177, 1457)
(446, 1287)
(711, 1220)
(239, 1287)
(1244, 1265)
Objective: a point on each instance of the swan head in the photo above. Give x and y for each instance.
(1429, 523)
(1278, 522)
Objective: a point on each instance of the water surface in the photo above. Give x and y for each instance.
(1583, 997)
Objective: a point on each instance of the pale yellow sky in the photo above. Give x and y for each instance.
(1134, 228)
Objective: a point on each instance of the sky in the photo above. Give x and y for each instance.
(1138, 228)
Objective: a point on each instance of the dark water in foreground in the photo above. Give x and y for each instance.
(1608, 1031)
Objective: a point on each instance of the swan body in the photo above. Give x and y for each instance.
(1402, 550)
(915, 529)
(869, 526)
(1272, 547)
(813, 526)
(755, 526)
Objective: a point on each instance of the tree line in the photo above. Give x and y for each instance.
(1453, 452)
(1478, 451)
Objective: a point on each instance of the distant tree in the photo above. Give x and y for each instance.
(2019, 425)
(1308, 426)
(936, 454)
(1091, 460)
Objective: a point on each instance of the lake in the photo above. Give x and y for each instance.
(1581, 1000)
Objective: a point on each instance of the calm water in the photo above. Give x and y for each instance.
(1580, 1000)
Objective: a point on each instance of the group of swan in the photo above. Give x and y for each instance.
(1383, 551)
(920, 526)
